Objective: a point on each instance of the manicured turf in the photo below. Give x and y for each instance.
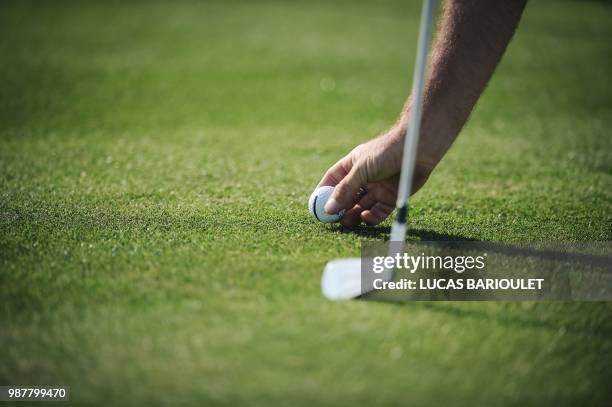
(155, 164)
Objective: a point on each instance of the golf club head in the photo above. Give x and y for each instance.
(342, 279)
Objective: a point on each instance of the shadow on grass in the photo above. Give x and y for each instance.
(560, 253)
(582, 323)
(563, 316)
(383, 232)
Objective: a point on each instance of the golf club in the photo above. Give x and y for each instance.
(342, 277)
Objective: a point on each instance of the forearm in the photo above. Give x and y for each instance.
(470, 42)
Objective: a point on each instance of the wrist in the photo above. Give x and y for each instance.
(429, 151)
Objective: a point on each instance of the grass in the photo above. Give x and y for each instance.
(155, 164)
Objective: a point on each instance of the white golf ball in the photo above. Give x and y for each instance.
(316, 205)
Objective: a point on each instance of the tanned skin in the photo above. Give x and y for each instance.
(470, 41)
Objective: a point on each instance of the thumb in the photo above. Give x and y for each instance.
(345, 193)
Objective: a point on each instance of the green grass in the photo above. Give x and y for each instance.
(155, 163)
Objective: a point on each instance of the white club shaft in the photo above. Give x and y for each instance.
(412, 134)
(411, 140)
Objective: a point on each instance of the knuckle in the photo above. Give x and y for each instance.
(355, 151)
(342, 189)
(365, 169)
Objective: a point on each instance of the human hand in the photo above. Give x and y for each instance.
(366, 180)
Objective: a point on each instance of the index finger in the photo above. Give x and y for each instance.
(336, 173)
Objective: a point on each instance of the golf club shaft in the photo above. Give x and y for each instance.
(411, 141)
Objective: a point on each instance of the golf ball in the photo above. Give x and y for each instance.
(316, 205)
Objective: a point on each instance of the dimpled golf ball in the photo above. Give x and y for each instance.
(316, 205)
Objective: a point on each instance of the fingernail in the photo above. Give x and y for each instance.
(332, 206)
